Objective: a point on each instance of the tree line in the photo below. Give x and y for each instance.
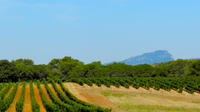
(67, 67)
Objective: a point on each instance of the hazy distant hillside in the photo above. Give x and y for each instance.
(149, 58)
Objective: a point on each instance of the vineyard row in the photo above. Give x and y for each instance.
(57, 99)
(189, 84)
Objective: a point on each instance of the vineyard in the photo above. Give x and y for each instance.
(42, 97)
(51, 96)
(180, 84)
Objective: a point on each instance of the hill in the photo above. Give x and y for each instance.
(149, 58)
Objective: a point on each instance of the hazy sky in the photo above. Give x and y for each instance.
(92, 30)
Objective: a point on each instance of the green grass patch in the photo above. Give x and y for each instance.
(154, 108)
(112, 93)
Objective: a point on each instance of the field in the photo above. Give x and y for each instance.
(42, 97)
(137, 100)
(170, 94)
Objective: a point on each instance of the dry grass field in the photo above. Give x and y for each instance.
(136, 100)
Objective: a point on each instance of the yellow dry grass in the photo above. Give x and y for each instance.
(93, 97)
(138, 100)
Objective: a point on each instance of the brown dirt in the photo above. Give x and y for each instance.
(76, 84)
(93, 97)
(85, 85)
(8, 93)
(185, 93)
(103, 86)
(53, 91)
(45, 92)
(121, 87)
(195, 93)
(153, 90)
(162, 90)
(174, 92)
(12, 107)
(142, 89)
(27, 102)
(38, 99)
(94, 86)
(112, 87)
(131, 89)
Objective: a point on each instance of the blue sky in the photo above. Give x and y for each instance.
(93, 30)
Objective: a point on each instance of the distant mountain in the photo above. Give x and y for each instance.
(149, 58)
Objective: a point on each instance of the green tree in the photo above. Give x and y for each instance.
(24, 72)
(143, 70)
(173, 68)
(119, 70)
(193, 69)
(94, 69)
(23, 61)
(7, 71)
(64, 65)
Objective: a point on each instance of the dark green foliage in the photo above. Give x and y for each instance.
(193, 69)
(21, 70)
(30, 72)
(143, 70)
(7, 71)
(168, 69)
(64, 65)
(23, 61)
(172, 68)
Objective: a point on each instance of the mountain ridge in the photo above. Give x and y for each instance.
(157, 56)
